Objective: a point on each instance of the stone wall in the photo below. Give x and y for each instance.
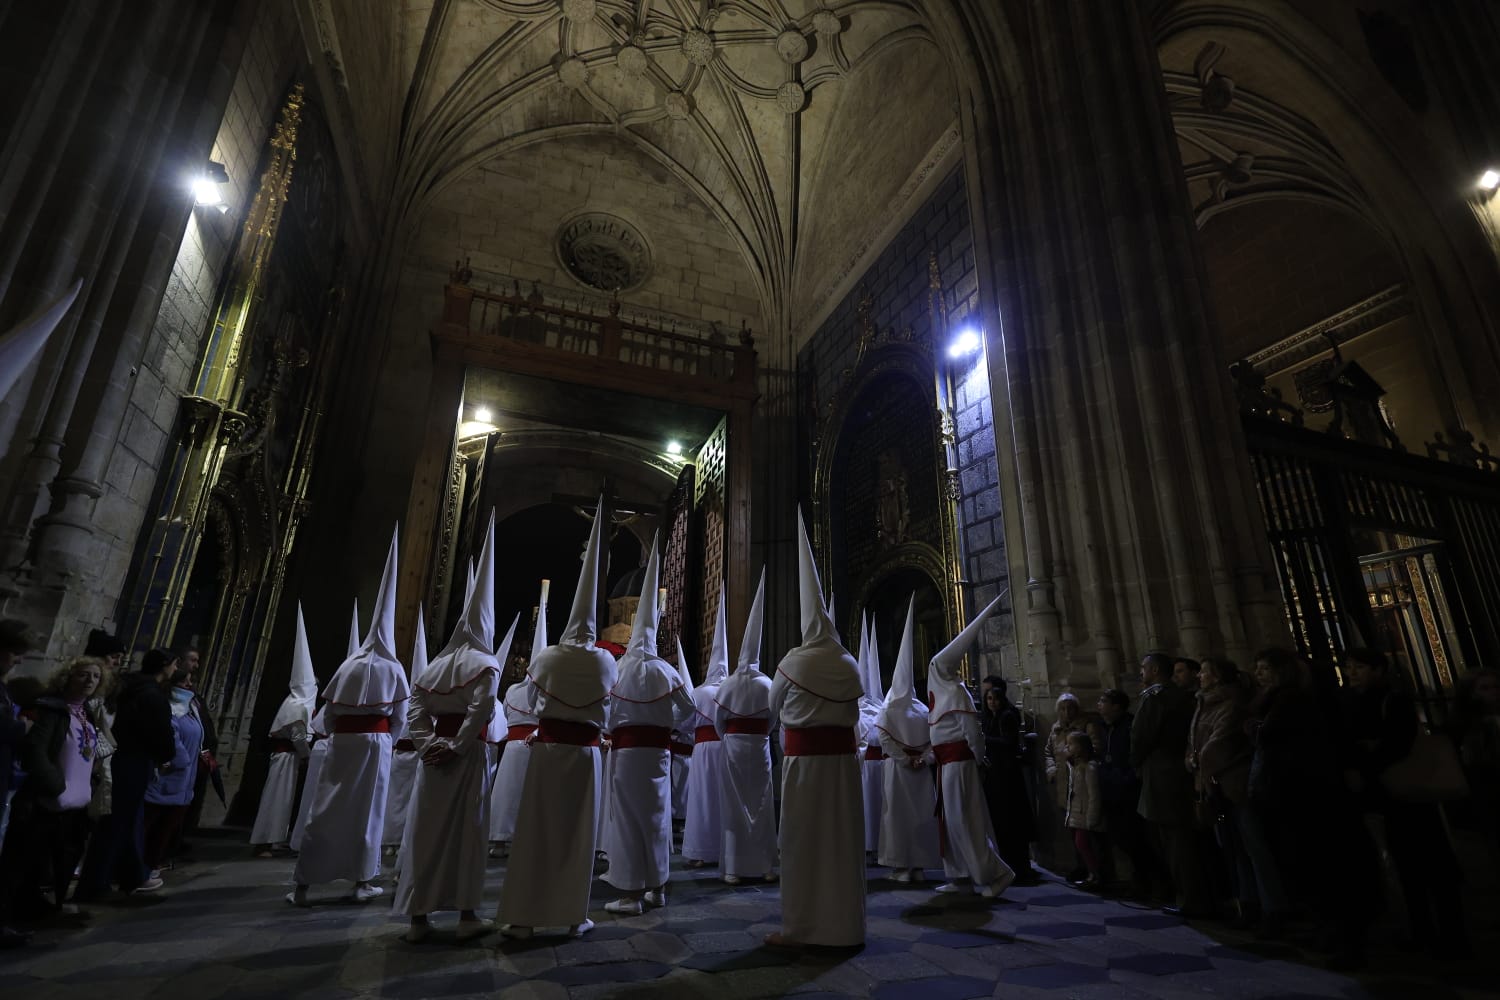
(897, 284)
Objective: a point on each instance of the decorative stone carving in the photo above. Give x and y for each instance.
(791, 97)
(604, 252)
(579, 11)
(632, 60)
(573, 72)
(1217, 89)
(791, 46)
(892, 511)
(1313, 388)
(677, 104)
(826, 22)
(698, 47)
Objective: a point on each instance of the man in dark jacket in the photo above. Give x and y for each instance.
(1120, 790)
(1158, 745)
(15, 643)
(144, 741)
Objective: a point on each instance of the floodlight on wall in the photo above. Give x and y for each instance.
(1489, 181)
(674, 448)
(483, 415)
(965, 343)
(208, 187)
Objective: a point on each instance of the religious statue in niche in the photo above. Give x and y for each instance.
(891, 510)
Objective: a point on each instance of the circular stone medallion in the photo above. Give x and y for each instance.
(791, 46)
(573, 72)
(677, 105)
(604, 251)
(790, 97)
(579, 10)
(826, 22)
(698, 47)
(632, 59)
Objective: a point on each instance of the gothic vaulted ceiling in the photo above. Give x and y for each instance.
(799, 127)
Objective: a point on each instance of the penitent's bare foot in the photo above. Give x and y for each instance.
(782, 942)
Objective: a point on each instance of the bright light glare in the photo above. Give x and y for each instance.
(674, 448)
(484, 416)
(206, 191)
(1489, 180)
(966, 343)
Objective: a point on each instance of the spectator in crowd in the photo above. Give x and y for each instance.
(1120, 790)
(1382, 726)
(15, 643)
(207, 762)
(1005, 790)
(1085, 811)
(170, 792)
(1158, 741)
(1475, 730)
(145, 741)
(1185, 674)
(1069, 720)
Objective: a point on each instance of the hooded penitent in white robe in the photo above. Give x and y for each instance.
(647, 700)
(451, 704)
(872, 757)
(519, 706)
(703, 832)
(404, 757)
(682, 745)
(291, 732)
(908, 826)
(316, 754)
(742, 718)
(968, 839)
(552, 854)
(815, 695)
(365, 708)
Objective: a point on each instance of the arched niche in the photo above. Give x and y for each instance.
(887, 598)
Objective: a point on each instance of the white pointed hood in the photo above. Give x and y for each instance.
(869, 682)
(642, 675)
(469, 653)
(821, 665)
(373, 676)
(873, 682)
(575, 672)
(302, 695)
(902, 715)
(747, 691)
(716, 670)
(944, 689)
(353, 646)
(419, 644)
(539, 636)
(498, 721)
(21, 345)
(520, 697)
(682, 668)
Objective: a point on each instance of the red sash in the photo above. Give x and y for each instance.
(874, 753)
(705, 734)
(640, 737)
(820, 741)
(404, 745)
(362, 724)
(447, 726)
(519, 732)
(947, 753)
(282, 746)
(682, 749)
(573, 734)
(747, 726)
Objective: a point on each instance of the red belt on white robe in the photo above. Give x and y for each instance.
(820, 741)
(282, 746)
(362, 724)
(947, 753)
(744, 725)
(520, 731)
(682, 749)
(705, 734)
(874, 753)
(640, 737)
(574, 734)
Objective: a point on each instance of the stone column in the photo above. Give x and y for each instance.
(1137, 525)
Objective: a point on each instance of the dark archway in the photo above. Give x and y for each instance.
(887, 604)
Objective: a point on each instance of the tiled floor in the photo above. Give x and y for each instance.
(224, 932)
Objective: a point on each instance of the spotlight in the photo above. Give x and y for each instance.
(483, 415)
(674, 448)
(1489, 180)
(966, 343)
(208, 187)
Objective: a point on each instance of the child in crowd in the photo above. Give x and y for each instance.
(1085, 805)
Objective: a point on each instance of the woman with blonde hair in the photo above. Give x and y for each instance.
(1055, 756)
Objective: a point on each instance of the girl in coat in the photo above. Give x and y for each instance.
(1084, 810)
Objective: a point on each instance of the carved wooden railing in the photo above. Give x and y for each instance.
(530, 319)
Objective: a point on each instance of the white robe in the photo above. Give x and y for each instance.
(822, 824)
(703, 832)
(398, 796)
(747, 802)
(510, 778)
(971, 852)
(639, 833)
(315, 758)
(908, 825)
(273, 819)
(552, 853)
(606, 791)
(347, 817)
(873, 774)
(681, 768)
(444, 854)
